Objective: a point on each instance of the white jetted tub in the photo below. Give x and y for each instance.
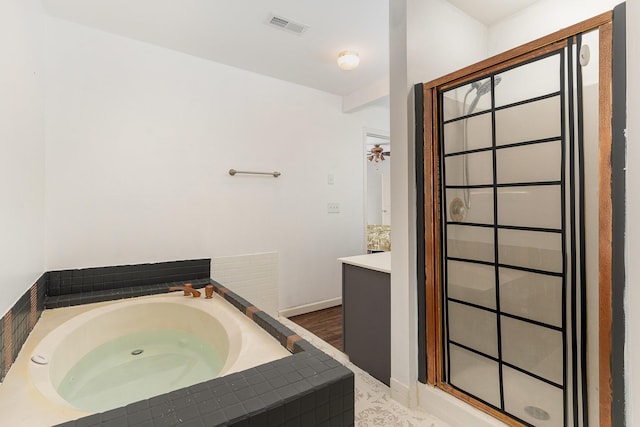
(91, 358)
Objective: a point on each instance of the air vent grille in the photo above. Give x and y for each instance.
(278, 22)
(286, 24)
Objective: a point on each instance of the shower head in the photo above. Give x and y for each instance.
(482, 89)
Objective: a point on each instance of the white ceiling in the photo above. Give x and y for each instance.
(491, 11)
(233, 32)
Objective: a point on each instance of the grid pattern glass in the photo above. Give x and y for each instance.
(505, 276)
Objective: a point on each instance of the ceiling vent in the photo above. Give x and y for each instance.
(286, 24)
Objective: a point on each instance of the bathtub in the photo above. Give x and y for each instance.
(63, 337)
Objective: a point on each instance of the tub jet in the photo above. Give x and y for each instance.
(40, 360)
(136, 352)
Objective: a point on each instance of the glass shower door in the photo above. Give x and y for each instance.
(510, 144)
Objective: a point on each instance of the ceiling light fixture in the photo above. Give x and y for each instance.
(348, 59)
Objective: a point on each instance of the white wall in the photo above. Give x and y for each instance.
(21, 148)
(427, 39)
(542, 18)
(441, 39)
(139, 142)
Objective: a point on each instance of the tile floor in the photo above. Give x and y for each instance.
(374, 406)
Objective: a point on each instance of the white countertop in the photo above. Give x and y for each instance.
(380, 261)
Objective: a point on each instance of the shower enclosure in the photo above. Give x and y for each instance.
(512, 240)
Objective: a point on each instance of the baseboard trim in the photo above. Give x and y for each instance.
(308, 308)
(408, 396)
(453, 411)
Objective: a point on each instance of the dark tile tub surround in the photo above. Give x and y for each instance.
(88, 285)
(308, 388)
(305, 389)
(17, 323)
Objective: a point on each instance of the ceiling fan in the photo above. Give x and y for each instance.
(377, 153)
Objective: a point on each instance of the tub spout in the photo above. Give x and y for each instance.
(188, 290)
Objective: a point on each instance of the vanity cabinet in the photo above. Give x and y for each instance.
(366, 312)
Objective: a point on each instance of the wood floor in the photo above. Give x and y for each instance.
(325, 324)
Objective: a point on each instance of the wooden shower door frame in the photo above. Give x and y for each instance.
(432, 208)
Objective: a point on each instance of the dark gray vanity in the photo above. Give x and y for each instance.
(366, 314)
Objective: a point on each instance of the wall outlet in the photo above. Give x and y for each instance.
(330, 179)
(333, 207)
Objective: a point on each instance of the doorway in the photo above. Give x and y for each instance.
(377, 167)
